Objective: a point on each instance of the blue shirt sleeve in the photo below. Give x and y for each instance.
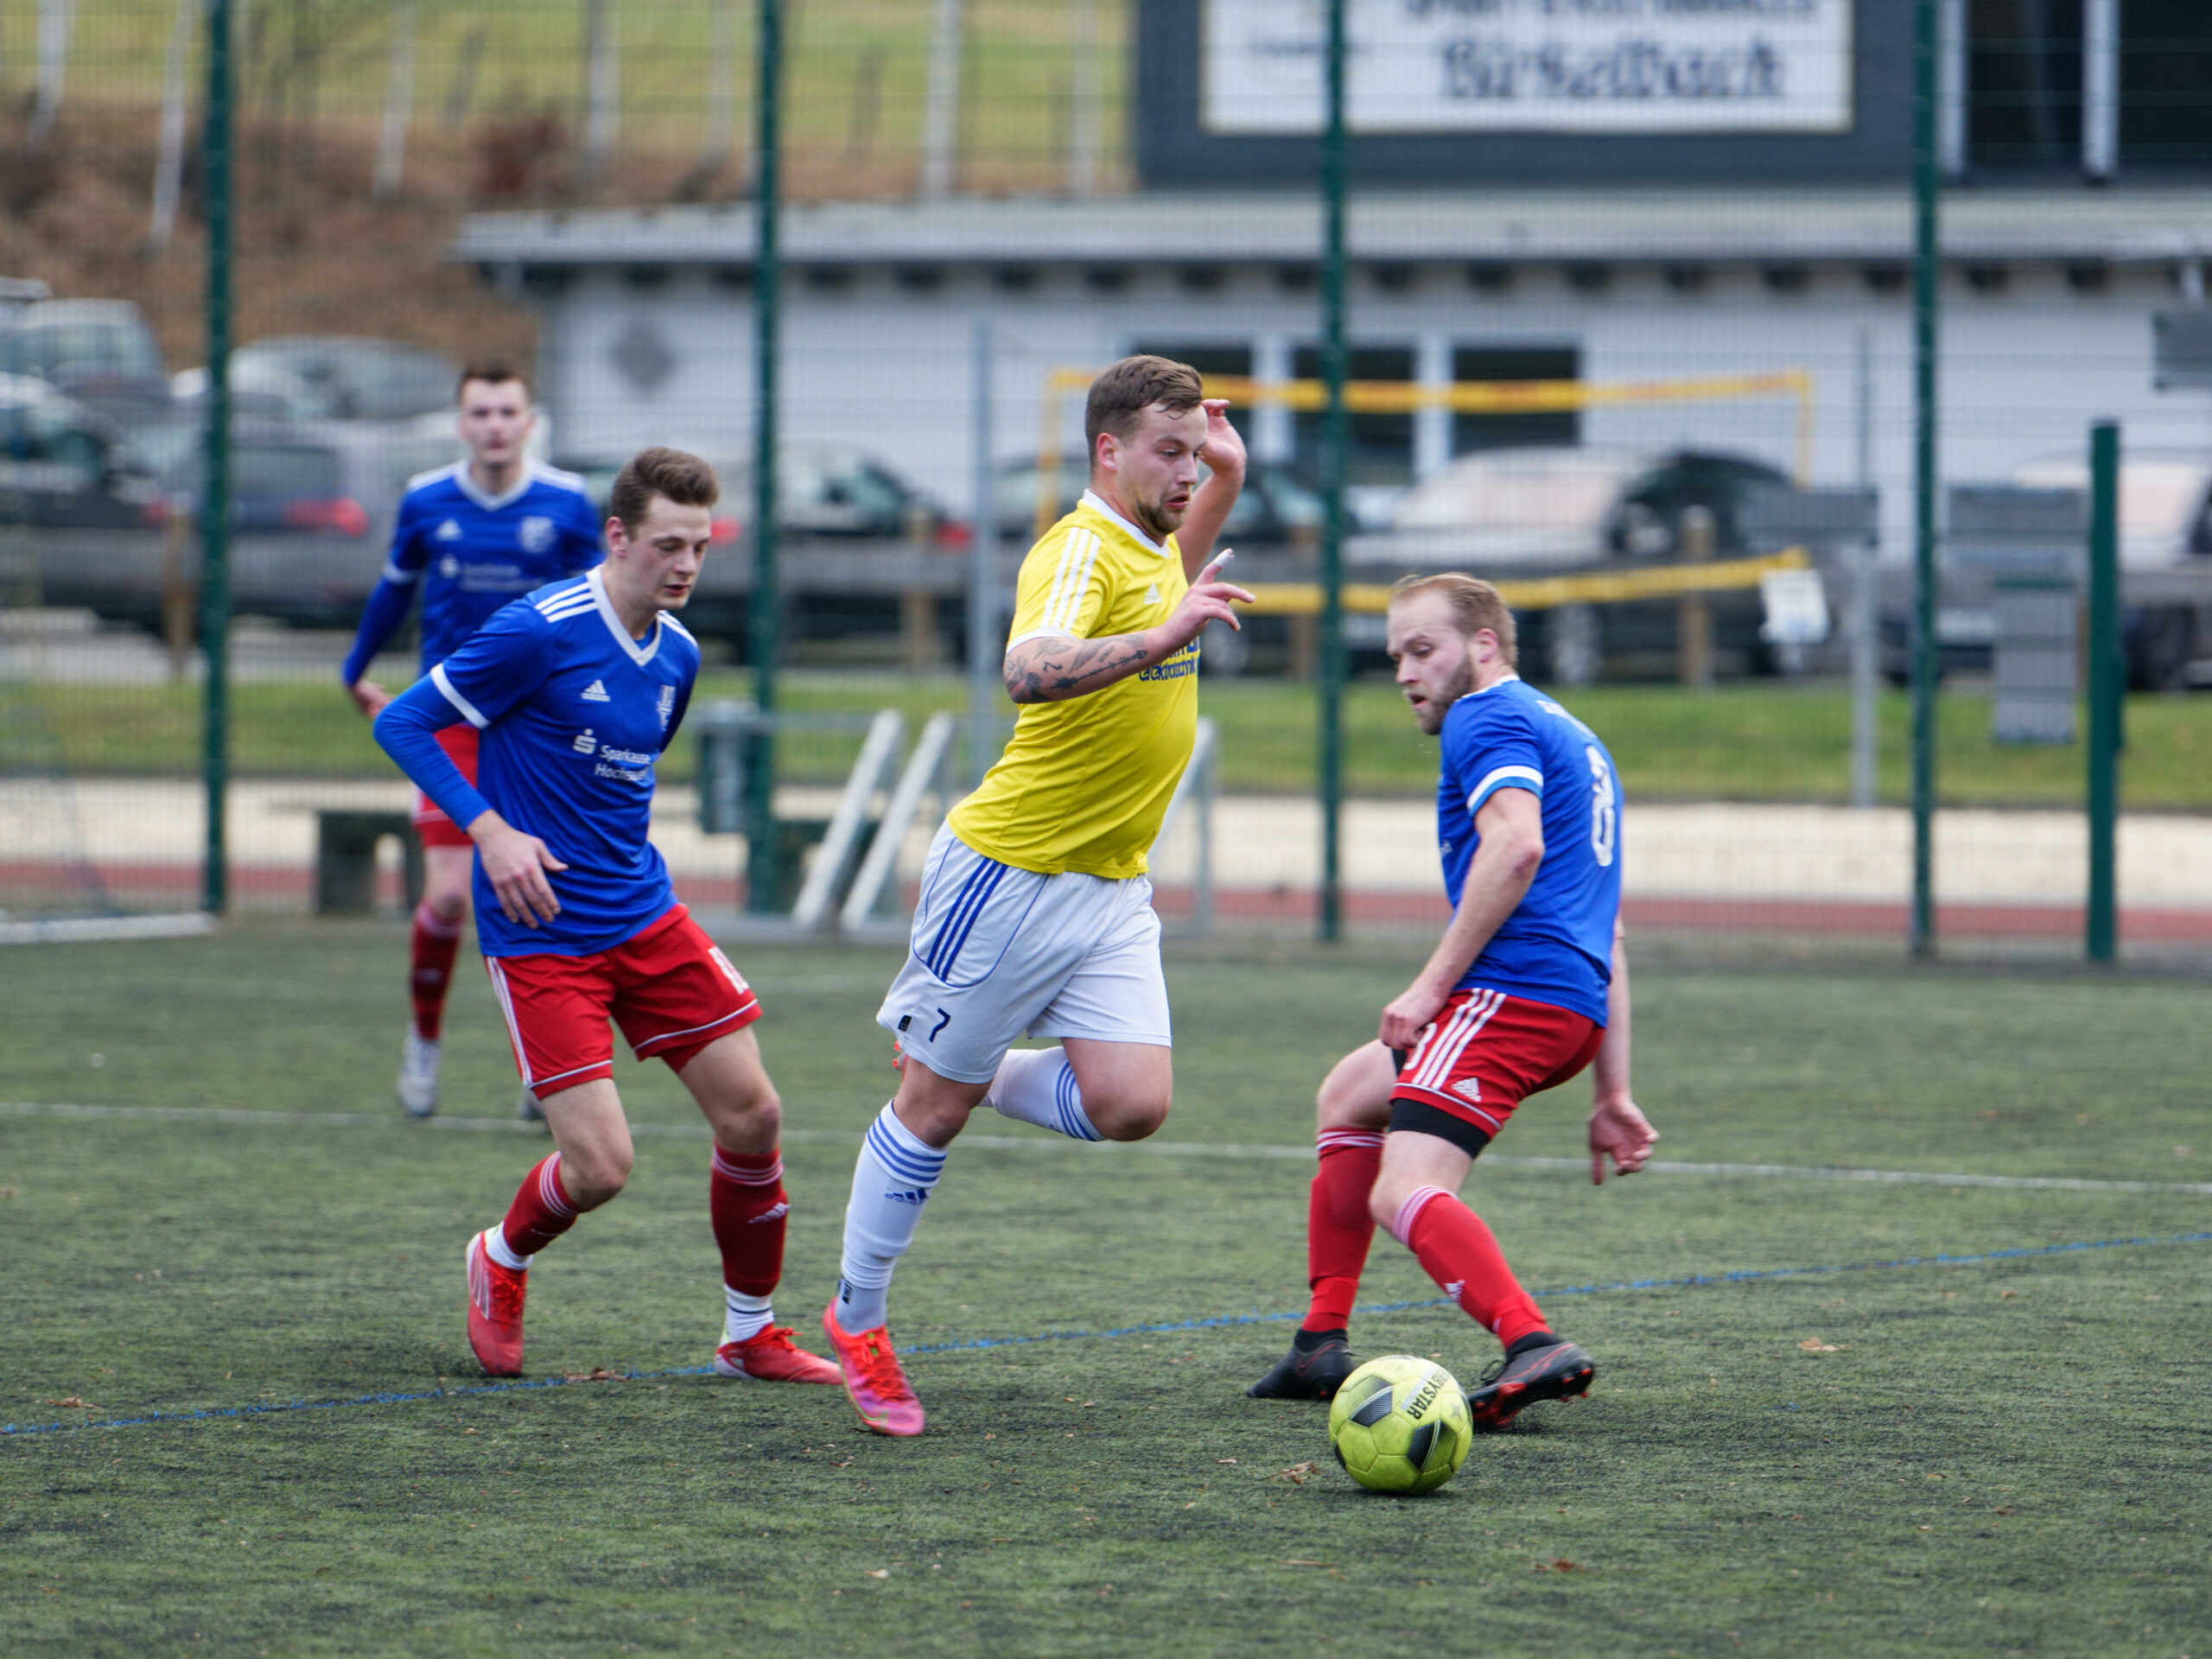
(394, 593)
(1491, 747)
(503, 663)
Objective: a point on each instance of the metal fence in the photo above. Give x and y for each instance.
(1757, 362)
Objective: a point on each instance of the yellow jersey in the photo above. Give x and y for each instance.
(1084, 782)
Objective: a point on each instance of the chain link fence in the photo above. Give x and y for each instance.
(1630, 328)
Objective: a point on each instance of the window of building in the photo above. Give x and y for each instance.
(2024, 84)
(1382, 445)
(1472, 432)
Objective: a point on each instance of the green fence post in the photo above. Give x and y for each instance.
(1926, 275)
(215, 495)
(2108, 682)
(762, 852)
(1336, 442)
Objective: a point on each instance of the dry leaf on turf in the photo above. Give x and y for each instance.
(1298, 1474)
(1815, 1346)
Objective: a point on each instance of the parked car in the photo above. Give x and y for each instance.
(99, 351)
(1273, 509)
(64, 466)
(338, 376)
(821, 490)
(2165, 557)
(16, 292)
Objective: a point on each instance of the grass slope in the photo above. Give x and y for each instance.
(2011, 1456)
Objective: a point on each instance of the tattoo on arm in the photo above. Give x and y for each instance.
(1051, 670)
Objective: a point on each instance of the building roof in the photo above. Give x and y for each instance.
(1704, 225)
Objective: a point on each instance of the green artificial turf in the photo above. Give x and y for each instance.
(2013, 1455)
(1749, 741)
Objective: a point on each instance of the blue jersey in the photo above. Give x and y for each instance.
(575, 714)
(1557, 946)
(471, 553)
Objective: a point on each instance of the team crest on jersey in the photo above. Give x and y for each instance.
(535, 534)
(450, 567)
(448, 532)
(596, 692)
(667, 705)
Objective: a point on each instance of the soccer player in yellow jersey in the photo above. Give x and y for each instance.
(1035, 914)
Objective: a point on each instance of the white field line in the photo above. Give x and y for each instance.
(1158, 1148)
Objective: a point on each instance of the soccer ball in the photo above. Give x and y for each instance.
(1400, 1425)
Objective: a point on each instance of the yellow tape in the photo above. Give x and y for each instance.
(1543, 593)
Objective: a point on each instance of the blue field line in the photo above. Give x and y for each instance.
(1745, 1276)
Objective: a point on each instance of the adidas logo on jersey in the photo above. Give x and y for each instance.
(1152, 595)
(1468, 1088)
(595, 692)
(448, 532)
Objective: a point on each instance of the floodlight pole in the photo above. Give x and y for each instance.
(1927, 274)
(1335, 444)
(764, 614)
(215, 495)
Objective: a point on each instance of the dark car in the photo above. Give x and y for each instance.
(63, 466)
(1275, 509)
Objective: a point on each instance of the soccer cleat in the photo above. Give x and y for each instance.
(873, 1382)
(774, 1355)
(495, 1295)
(418, 1075)
(1308, 1374)
(1520, 1380)
(527, 1108)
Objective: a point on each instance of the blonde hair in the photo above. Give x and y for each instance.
(1475, 606)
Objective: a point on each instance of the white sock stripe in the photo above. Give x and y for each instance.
(745, 1177)
(1329, 1139)
(1410, 1211)
(549, 1187)
(436, 926)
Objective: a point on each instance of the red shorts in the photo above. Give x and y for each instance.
(1487, 1051)
(432, 827)
(669, 988)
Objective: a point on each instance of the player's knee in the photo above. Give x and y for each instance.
(1384, 1198)
(592, 1176)
(450, 906)
(1129, 1117)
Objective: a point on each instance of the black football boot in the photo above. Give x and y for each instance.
(1540, 1366)
(1315, 1367)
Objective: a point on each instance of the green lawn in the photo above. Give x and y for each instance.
(2005, 1456)
(1760, 741)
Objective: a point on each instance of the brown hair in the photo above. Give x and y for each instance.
(493, 370)
(1129, 387)
(1475, 606)
(683, 478)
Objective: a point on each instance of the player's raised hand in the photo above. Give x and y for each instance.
(1223, 448)
(515, 863)
(368, 696)
(1619, 1131)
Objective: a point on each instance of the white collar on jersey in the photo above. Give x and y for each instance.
(597, 583)
(1096, 503)
(465, 479)
(1506, 678)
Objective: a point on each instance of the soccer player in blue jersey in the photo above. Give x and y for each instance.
(470, 537)
(1528, 988)
(577, 691)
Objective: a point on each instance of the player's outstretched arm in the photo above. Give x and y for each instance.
(1618, 1129)
(1511, 851)
(1223, 454)
(1052, 668)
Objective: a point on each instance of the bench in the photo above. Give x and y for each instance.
(346, 859)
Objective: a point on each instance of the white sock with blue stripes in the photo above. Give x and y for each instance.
(891, 1180)
(1037, 1086)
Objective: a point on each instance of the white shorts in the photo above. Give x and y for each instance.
(998, 952)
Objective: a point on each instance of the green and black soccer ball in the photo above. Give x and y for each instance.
(1400, 1425)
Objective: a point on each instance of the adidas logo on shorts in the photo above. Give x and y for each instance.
(1468, 1088)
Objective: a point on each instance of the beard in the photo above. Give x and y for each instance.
(1431, 719)
(1157, 520)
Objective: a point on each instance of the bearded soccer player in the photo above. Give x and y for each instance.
(1035, 913)
(577, 691)
(471, 537)
(1528, 987)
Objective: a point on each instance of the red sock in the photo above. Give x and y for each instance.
(1339, 1225)
(745, 1196)
(430, 960)
(541, 1210)
(1459, 1252)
